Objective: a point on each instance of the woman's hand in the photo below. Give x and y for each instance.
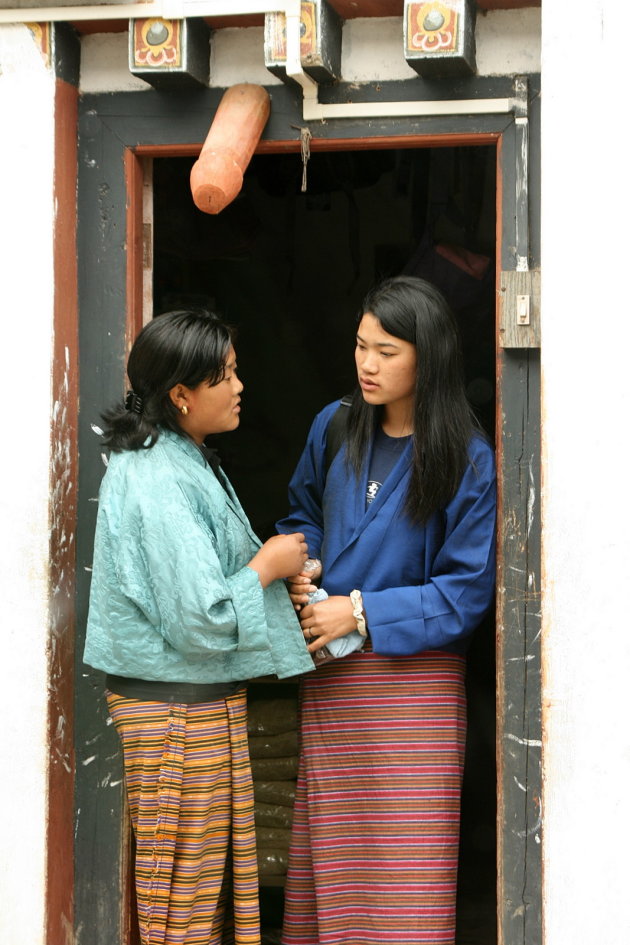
(280, 557)
(301, 585)
(326, 620)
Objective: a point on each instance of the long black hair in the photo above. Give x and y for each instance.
(415, 311)
(187, 347)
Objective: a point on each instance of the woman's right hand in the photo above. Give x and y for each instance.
(280, 557)
(302, 584)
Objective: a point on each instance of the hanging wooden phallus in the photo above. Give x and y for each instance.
(217, 176)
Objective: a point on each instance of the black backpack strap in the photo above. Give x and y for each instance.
(336, 431)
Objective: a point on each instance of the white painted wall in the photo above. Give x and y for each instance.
(508, 42)
(105, 64)
(586, 594)
(26, 303)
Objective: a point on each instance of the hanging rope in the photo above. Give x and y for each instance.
(305, 149)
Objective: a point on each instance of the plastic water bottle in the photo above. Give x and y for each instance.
(341, 646)
(312, 564)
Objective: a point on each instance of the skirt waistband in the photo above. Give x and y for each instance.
(177, 692)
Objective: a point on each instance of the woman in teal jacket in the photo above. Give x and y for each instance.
(185, 605)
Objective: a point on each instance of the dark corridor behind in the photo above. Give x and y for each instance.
(289, 270)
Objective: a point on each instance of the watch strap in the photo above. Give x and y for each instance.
(356, 599)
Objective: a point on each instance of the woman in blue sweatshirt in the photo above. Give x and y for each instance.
(403, 520)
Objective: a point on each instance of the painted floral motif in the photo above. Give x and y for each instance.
(277, 29)
(432, 27)
(157, 43)
(41, 35)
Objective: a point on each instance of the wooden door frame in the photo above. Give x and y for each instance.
(117, 132)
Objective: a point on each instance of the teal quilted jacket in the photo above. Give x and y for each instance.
(172, 598)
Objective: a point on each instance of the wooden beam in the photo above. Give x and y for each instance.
(135, 247)
(347, 10)
(63, 520)
(519, 738)
(507, 4)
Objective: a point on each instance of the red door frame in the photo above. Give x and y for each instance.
(136, 255)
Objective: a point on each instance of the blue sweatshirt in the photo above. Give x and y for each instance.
(424, 587)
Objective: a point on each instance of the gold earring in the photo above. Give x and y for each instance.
(184, 410)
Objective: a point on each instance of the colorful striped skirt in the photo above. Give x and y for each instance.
(191, 803)
(375, 837)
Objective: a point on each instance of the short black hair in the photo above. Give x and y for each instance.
(186, 346)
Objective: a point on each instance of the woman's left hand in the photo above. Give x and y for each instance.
(326, 620)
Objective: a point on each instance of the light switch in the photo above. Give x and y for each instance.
(522, 309)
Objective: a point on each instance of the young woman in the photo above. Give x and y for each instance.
(403, 521)
(185, 605)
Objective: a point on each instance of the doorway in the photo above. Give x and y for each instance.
(289, 270)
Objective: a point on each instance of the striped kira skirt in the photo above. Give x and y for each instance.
(191, 802)
(375, 838)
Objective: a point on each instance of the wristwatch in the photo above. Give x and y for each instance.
(357, 612)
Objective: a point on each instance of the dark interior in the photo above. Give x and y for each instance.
(289, 270)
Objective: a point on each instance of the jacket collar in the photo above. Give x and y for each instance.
(363, 516)
(185, 444)
(190, 449)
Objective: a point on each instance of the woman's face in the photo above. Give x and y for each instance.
(386, 365)
(210, 409)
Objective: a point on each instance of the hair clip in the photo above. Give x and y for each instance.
(133, 402)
